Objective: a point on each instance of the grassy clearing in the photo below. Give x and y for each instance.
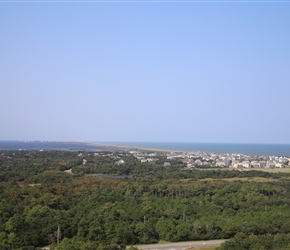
(250, 179)
(244, 179)
(272, 170)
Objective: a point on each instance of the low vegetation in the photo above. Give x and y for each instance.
(100, 204)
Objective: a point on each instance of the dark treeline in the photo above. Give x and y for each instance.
(157, 203)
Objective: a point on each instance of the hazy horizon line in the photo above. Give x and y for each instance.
(110, 142)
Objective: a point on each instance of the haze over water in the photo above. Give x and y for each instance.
(242, 148)
(239, 148)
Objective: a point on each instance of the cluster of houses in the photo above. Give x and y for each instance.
(207, 159)
(203, 159)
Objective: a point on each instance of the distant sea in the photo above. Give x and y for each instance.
(239, 148)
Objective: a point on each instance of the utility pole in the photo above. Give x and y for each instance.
(58, 234)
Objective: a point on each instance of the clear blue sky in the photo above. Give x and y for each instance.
(145, 71)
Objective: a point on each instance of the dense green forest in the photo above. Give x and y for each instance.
(102, 204)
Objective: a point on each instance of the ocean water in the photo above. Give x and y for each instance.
(239, 148)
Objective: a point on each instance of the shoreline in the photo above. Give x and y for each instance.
(213, 148)
(130, 148)
(165, 147)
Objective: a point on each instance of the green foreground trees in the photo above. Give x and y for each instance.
(157, 203)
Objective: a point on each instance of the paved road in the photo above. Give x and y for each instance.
(180, 245)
